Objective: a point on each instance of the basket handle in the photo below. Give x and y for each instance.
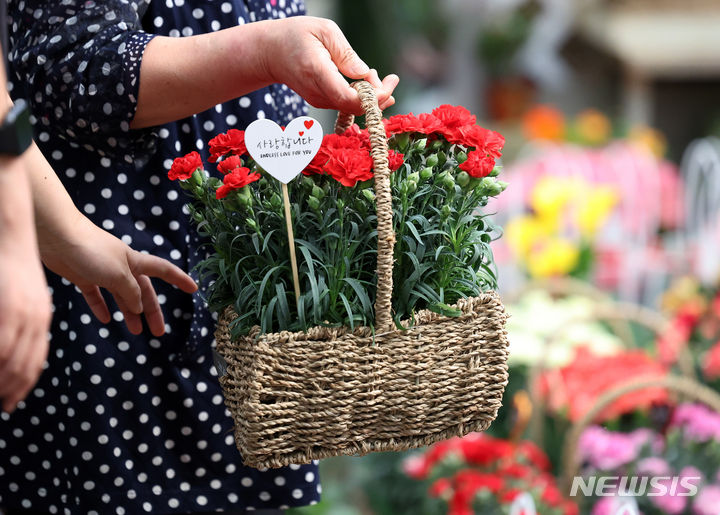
(383, 200)
(681, 385)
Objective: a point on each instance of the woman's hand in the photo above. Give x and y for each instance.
(183, 76)
(92, 258)
(311, 55)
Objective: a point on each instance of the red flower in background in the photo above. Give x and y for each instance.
(228, 164)
(236, 179)
(183, 167)
(232, 142)
(478, 164)
(711, 363)
(577, 386)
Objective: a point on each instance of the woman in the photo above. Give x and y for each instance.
(123, 423)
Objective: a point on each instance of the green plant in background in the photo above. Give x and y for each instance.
(444, 173)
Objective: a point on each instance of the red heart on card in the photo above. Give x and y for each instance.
(301, 132)
(309, 123)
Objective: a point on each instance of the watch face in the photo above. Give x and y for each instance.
(16, 130)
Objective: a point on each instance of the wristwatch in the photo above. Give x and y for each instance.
(16, 131)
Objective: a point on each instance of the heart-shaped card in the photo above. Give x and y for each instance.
(284, 153)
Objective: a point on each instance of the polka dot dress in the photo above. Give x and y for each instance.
(124, 424)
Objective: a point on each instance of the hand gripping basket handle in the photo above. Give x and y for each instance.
(383, 200)
(681, 385)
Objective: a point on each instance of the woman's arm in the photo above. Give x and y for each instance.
(91, 258)
(183, 76)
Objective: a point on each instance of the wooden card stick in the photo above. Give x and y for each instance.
(291, 242)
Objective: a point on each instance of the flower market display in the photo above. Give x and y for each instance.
(674, 470)
(482, 474)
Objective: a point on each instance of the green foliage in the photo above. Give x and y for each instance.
(442, 250)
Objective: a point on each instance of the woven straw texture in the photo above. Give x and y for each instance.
(296, 397)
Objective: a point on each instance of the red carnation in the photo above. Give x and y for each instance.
(231, 142)
(350, 166)
(402, 123)
(478, 164)
(228, 164)
(479, 138)
(352, 139)
(236, 179)
(183, 167)
(454, 116)
(395, 160)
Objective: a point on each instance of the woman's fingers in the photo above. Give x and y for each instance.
(132, 320)
(153, 266)
(151, 306)
(96, 303)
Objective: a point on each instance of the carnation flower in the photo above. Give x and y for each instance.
(233, 141)
(236, 179)
(228, 164)
(478, 164)
(350, 166)
(408, 123)
(183, 167)
(707, 501)
(395, 160)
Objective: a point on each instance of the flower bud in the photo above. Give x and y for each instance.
(369, 195)
(446, 211)
(276, 202)
(491, 187)
(432, 160)
(402, 141)
(442, 158)
(251, 223)
(198, 177)
(420, 144)
(318, 192)
(340, 204)
(426, 173)
(414, 177)
(495, 172)
(412, 186)
(307, 182)
(463, 179)
(436, 145)
(461, 157)
(448, 182)
(313, 202)
(197, 216)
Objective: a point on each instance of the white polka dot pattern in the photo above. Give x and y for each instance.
(120, 423)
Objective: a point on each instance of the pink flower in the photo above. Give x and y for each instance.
(670, 503)
(653, 466)
(607, 450)
(698, 423)
(707, 501)
(606, 506)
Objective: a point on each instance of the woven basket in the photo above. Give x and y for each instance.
(685, 388)
(326, 392)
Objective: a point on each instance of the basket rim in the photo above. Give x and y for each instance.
(424, 316)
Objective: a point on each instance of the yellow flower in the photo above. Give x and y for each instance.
(556, 257)
(551, 195)
(593, 127)
(595, 209)
(523, 233)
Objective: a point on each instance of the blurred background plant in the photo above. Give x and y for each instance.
(610, 112)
